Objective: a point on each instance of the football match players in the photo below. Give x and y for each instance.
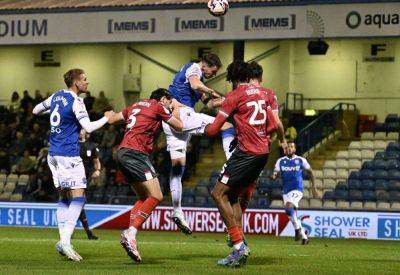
(252, 109)
(188, 88)
(143, 120)
(290, 168)
(67, 115)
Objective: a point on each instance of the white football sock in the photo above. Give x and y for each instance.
(133, 230)
(74, 210)
(62, 211)
(175, 184)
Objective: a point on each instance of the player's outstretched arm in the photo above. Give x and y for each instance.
(197, 85)
(43, 107)
(114, 117)
(215, 127)
(175, 123)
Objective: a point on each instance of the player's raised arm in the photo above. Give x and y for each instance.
(82, 116)
(114, 117)
(43, 107)
(197, 85)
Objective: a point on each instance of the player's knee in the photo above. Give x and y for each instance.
(178, 170)
(289, 211)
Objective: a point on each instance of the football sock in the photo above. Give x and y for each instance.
(134, 211)
(62, 210)
(236, 236)
(144, 212)
(293, 217)
(175, 184)
(74, 210)
(227, 136)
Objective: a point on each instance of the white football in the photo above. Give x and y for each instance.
(218, 7)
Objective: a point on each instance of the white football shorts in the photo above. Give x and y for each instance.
(68, 172)
(293, 197)
(193, 124)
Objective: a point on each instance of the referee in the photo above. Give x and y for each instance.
(90, 157)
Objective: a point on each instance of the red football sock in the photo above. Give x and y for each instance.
(240, 230)
(245, 196)
(235, 234)
(134, 211)
(144, 211)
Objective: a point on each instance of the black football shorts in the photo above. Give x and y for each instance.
(135, 165)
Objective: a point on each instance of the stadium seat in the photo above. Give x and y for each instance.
(368, 165)
(356, 205)
(394, 185)
(306, 194)
(383, 206)
(201, 191)
(315, 203)
(354, 175)
(328, 194)
(393, 164)
(306, 184)
(354, 184)
(367, 184)
(355, 195)
(395, 206)
(318, 183)
(392, 136)
(355, 145)
(342, 164)
(12, 178)
(392, 154)
(330, 164)
(393, 146)
(342, 185)
(329, 205)
(367, 154)
(367, 136)
(276, 183)
(318, 174)
(276, 193)
(189, 192)
(382, 195)
(393, 174)
(380, 136)
(380, 127)
(304, 204)
(379, 145)
(381, 184)
(368, 195)
(342, 155)
(203, 182)
(370, 205)
(354, 154)
(342, 174)
(188, 200)
(391, 118)
(341, 195)
(381, 174)
(329, 184)
(366, 174)
(263, 202)
(380, 155)
(16, 197)
(355, 164)
(379, 164)
(200, 200)
(394, 196)
(329, 173)
(367, 145)
(342, 205)
(276, 204)
(3, 178)
(393, 127)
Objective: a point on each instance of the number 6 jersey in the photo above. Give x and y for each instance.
(66, 109)
(143, 120)
(248, 105)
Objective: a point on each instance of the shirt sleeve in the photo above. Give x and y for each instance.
(277, 166)
(228, 105)
(163, 112)
(306, 165)
(43, 106)
(193, 70)
(79, 109)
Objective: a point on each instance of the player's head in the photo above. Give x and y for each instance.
(237, 72)
(210, 64)
(163, 96)
(291, 149)
(76, 80)
(255, 71)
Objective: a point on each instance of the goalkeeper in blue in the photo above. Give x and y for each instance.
(290, 168)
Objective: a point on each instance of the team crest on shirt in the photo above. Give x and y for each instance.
(296, 161)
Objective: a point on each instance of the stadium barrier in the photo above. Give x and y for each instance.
(326, 224)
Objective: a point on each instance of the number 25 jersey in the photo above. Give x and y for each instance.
(248, 105)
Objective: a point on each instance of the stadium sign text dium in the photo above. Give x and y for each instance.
(324, 224)
(277, 22)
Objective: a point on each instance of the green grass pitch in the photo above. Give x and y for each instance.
(31, 251)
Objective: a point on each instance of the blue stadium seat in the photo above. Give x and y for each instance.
(381, 184)
(189, 192)
(394, 185)
(368, 165)
(368, 195)
(276, 193)
(367, 185)
(393, 164)
(354, 184)
(188, 200)
(391, 118)
(380, 164)
(200, 201)
(381, 174)
(341, 195)
(355, 195)
(263, 202)
(201, 191)
(394, 196)
(366, 174)
(266, 173)
(354, 175)
(382, 195)
(392, 127)
(329, 195)
(265, 183)
(204, 182)
(256, 194)
(392, 154)
(276, 183)
(380, 155)
(393, 146)
(342, 186)
(394, 174)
